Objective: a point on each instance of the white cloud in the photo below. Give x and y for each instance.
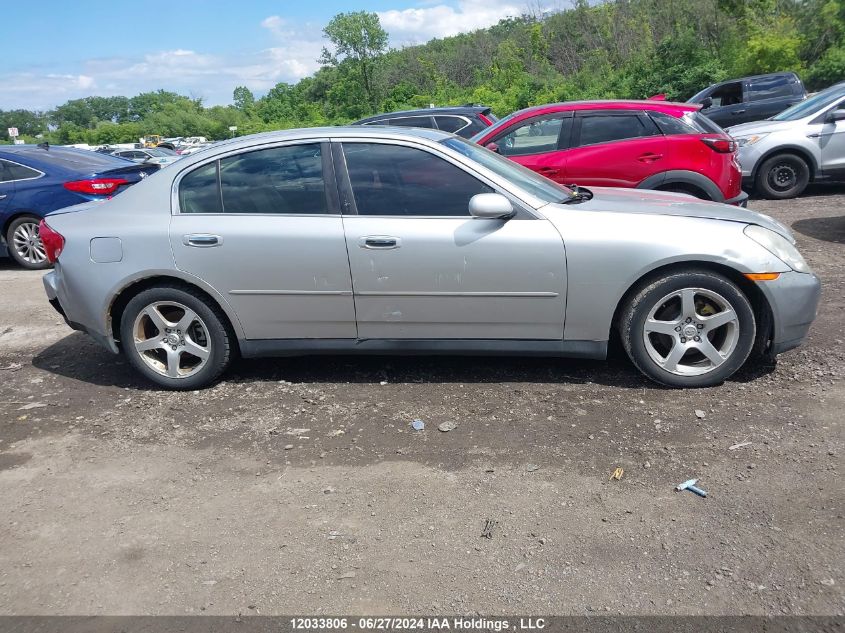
(414, 26)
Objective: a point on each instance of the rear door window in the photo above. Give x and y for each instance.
(278, 180)
(286, 180)
(770, 88)
(606, 128)
(399, 180)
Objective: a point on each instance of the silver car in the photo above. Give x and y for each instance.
(409, 241)
(804, 143)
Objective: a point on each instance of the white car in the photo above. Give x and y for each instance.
(805, 143)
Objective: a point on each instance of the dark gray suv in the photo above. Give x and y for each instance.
(750, 98)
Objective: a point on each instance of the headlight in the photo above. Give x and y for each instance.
(778, 246)
(744, 141)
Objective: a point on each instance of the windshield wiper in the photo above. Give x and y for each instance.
(579, 194)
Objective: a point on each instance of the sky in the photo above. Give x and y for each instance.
(57, 50)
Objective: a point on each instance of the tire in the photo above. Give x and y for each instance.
(679, 347)
(782, 176)
(176, 338)
(24, 244)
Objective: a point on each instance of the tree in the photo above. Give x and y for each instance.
(243, 98)
(358, 38)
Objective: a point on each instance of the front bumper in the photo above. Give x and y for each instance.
(794, 300)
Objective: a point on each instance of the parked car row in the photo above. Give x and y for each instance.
(648, 144)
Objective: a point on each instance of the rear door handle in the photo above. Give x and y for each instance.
(735, 112)
(384, 242)
(202, 240)
(649, 157)
(549, 171)
(2, 195)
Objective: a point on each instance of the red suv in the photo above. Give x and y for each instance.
(642, 144)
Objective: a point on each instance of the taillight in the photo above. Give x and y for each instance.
(96, 186)
(52, 241)
(720, 144)
(485, 120)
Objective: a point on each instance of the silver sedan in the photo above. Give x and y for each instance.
(410, 241)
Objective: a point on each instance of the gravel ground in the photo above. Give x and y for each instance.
(298, 486)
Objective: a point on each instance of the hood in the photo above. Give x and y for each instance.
(759, 127)
(613, 200)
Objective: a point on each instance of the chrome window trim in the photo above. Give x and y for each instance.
(41, 174)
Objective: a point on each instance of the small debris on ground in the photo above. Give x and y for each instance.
(487, 530)
(617, 474)
(689, 484)
(740, 445)
(346, 575)
(445, 427)
(32, 405)
(532, 468)
(700, 414)
(418, 425)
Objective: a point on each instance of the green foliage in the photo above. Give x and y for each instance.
(613, 49)
(358, 41)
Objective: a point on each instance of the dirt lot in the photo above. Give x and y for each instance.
(298, 486)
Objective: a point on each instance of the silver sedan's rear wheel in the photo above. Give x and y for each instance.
(689, 329)
(175, 337)
(171, 339)
(24, 243)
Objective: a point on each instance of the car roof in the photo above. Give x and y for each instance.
(611, 104)
(428, 112)
(67, 158)
(787, 73)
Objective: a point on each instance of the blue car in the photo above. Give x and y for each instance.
(38, 179)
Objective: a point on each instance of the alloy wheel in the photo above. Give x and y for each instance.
(171, 339)
(691, 332)
(27, 243)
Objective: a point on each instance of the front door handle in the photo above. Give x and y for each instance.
(735, 112)
(383, 242)
(649, 157)
(548, 172)
(2, 195)
(202, 240)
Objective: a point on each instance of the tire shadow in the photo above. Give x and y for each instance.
(830, 229)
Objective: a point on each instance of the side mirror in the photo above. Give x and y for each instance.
(493, 147)
(836, 115)
(706, 103)
(490, 205)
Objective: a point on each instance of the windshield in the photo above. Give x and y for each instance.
(810, 106)
(535, 184)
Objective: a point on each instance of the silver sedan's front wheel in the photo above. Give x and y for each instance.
(176, 336)
(689, 329)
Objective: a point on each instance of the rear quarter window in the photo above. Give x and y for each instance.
(669, 124)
